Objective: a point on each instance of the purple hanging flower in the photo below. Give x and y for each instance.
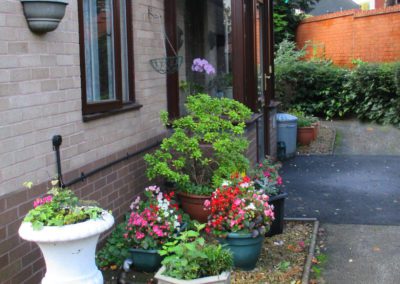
(202, 65)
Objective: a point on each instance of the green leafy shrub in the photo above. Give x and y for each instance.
(60, 207)
(369, 91)
(373, 93)
(190, 257)
(115, 251)
(206, 146)
(309, 85)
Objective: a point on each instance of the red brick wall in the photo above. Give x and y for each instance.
(379, 4)
(372, 36)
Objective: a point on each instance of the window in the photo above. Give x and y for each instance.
(106, 55)
(204, 30)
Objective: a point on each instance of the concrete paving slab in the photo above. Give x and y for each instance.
(361, 254)
(358, 138)
(344, 189)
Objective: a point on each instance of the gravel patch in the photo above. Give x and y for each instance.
(323, 145)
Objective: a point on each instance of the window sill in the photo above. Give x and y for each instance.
(125, 108)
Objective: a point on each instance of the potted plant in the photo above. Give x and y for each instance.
(240, 216)
(67, 231)
(152, 222)
(112, 255)
(205, 147)
(315, 124)
(266, 179)
(44, 15)
(223, 85)
(305, 129)
(189, 259)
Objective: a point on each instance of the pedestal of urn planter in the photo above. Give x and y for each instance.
(69, 251)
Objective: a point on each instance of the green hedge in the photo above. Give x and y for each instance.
(369, 91)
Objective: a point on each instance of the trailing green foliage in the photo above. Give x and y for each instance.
(206, 146)
(60, 207)
(116, 249)
(190, 257)
(303, 120)
(196, 189)
(369, 91)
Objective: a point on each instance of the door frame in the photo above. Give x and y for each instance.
(243, 50)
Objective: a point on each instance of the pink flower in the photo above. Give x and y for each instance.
(207, 203)
(237, 202)
(139, 235)
(158, 231)
(41, 201)
(279, 180)
(269, 213)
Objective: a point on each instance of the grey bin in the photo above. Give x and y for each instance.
(287, 132)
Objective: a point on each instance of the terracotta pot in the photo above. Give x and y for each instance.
(193, 205)
(316, 129)
(305, 135)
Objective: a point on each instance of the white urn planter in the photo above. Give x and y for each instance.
(69, 251)
(223, 278)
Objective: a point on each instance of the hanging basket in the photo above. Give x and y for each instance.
(167, 65)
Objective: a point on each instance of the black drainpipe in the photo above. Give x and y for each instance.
(57, 140)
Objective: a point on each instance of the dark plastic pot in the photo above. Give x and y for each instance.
(246, 250)
(278, 201)
(146, 260)
(193, 205)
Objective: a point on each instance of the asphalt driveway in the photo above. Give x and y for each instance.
(355, 194)
(339, 189)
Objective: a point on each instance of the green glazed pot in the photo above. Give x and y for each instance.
(246, 250)
(146, 260)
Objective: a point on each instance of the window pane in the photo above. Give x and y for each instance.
(99, 50)
(205, 31)
(124, 52)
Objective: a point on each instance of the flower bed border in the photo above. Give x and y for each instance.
(308, 263)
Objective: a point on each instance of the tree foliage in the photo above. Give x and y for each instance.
(287, 16)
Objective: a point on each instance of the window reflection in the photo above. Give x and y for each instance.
(205, 32)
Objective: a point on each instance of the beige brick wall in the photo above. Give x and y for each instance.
(40, 96)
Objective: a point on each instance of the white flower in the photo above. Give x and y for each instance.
(225, 183)
(244, 185)
(250, 206)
